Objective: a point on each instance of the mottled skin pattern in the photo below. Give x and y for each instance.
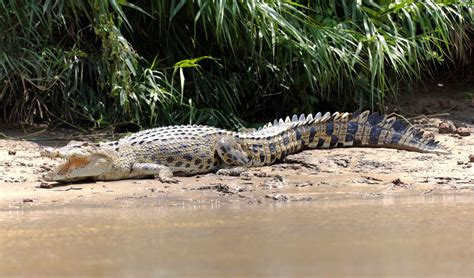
(189, 150)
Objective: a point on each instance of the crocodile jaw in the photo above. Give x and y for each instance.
(82, 160)
(78, 168)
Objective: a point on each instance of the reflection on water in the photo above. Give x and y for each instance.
(417, 236)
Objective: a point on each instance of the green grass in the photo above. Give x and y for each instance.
(218, 62)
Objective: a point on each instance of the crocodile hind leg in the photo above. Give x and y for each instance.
(231, 154)
(150, 169)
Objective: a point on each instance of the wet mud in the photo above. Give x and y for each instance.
(312, 175)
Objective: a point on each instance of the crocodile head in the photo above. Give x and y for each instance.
(82, 160)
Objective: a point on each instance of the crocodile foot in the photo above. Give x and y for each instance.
(233, 172)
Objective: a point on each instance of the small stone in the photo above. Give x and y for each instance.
(463, 131)
(45, 167)
(46, 185)
(399, 183)
(11, 152)
(446, 127)
(278, 197)
(471, 157)
(27, 200)
(304, 184)
(460, 162)
(260, 174)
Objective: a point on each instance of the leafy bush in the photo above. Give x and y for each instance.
(217, 62)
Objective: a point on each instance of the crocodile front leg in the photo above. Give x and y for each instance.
(150, 169)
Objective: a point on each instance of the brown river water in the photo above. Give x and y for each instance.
(409, 236)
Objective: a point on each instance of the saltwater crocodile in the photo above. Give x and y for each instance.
(193, 149)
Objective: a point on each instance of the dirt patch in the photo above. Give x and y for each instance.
(352, 173)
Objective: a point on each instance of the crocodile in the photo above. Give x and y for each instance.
(186, 150)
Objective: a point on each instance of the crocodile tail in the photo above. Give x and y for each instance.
(365, 130)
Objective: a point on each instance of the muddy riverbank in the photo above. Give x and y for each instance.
(313, 175)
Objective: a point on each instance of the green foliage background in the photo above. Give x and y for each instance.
(220, 62)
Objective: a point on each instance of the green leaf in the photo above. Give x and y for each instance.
(191, 63)
(120, 12)
(174, 9)
(182, 80)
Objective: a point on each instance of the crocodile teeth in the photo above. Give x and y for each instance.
(302, 118)
(294, 118)
(275, 122)
(287, 120)
(281, 121)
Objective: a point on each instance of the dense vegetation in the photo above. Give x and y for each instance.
(155, 62)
